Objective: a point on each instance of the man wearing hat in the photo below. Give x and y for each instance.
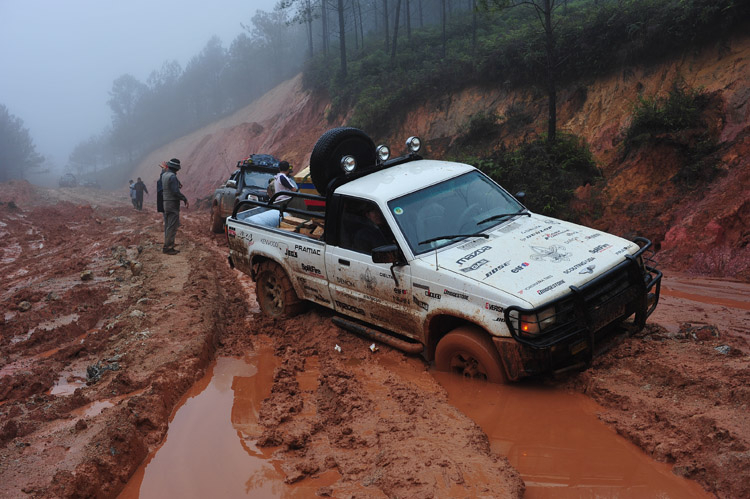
(171, 198)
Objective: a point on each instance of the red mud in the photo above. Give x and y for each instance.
(150, 325)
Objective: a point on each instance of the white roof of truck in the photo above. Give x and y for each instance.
(396, 181)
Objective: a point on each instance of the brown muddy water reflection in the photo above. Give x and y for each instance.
(551, 437)
(209, 450)
(561, 449)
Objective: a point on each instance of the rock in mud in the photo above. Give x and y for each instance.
(24, 306)
(87, 275)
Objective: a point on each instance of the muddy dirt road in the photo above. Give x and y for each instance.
(102, 335)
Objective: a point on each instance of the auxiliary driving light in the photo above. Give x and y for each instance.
(383, 153)
(348, 164)
(413, 144)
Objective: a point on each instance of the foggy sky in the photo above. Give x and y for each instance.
(58, 58)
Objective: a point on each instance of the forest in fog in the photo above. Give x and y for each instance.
(377, 56)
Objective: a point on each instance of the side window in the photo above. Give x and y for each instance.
(362, 226)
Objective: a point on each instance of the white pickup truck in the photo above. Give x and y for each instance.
(435, 258)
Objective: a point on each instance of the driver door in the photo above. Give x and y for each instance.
(363, 289)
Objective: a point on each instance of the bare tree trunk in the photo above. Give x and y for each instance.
(395, 31)
(551, 83)
(445, 40)
(408, 21)
(342, 38)
(387, 35)
(324, 22)
(473, 7)
(309, 21)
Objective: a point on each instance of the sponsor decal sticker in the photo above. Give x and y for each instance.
(268, 242)
(368, 279)
(421, 304)
(519, 268)
(476, 265)
(472, 255)
(230, 232)
(496, 269)
(621, 251)
(455, 294)
(421, 286)
(400, 291)
(579, 265)
(305, 249)
(311, 269)
(536, 233)
(588, 270)
(432, 295)
(472, 244)
(494, 308)
(349, 308)
(550, 287)
(600, 248)
(290, 253)
(344, 282)
(537, 283)
(398, 210)
(554, 253)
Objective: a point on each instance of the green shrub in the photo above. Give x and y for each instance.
(680, 110)
(548, 172)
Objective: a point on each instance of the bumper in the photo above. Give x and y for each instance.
(582, 317)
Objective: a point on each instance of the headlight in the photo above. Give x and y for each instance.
(348, 164)
(383, 153)
(252, 197)
(413, 144)
(534, 324)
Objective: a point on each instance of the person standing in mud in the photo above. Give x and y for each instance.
(171, 197)
(140, 188)
(132, 193)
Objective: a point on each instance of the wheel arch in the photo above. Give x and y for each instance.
(441, 324)
(257, 259)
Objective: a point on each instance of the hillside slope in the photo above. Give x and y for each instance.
(704, 231)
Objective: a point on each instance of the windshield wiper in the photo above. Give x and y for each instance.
(440, 238)
(503, 215)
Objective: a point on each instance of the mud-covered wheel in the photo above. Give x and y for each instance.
(467, 350)
(325, 160)
(217, 221)
(275, 293)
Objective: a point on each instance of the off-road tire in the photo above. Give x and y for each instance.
(331, 147)
(275, 293)
(217, 221)
(467, 350)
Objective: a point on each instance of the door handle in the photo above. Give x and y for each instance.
(344, 262)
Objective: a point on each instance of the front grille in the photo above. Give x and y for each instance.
(587, 309)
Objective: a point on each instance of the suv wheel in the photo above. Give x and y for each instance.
(217, 222)
(275, 293)
(467, 350)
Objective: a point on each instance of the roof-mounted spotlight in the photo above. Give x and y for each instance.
(348, 164)
(383, 153)
(413, 145)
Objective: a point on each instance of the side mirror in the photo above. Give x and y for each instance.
(520, 196)
(232, 183)
(386, 254)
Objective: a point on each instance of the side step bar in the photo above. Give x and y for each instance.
(399, 344)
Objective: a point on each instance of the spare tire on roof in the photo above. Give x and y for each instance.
(325, 160)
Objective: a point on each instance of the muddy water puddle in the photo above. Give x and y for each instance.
(552, 438)
(559, 446)
(210, 447)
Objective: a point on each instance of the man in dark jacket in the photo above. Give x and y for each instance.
(172, 196)
(140, 188)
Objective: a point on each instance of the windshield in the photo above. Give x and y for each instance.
(453, 207)
(257, 179)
